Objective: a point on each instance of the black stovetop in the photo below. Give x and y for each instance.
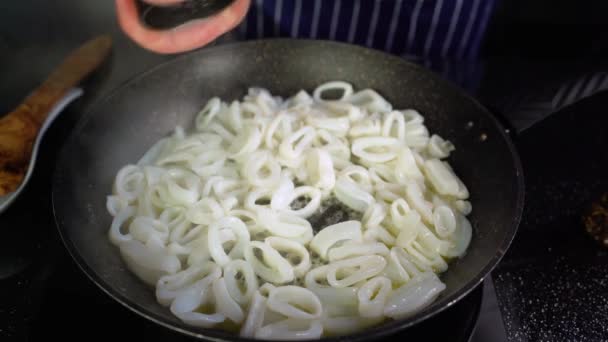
(553, 283)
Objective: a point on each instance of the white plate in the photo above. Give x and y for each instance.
(5, 201)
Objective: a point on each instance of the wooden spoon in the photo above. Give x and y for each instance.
(19, 129)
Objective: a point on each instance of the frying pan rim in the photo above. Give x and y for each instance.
(383, 330)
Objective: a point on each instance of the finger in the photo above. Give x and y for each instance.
(186, 37)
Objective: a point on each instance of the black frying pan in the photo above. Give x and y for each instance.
(120, 128)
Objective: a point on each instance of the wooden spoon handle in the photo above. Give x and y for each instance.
(18, 129)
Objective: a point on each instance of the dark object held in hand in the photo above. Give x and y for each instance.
(167, 17)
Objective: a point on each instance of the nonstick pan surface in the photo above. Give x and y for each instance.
(120, 128)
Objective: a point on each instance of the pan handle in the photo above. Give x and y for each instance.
(554, 97)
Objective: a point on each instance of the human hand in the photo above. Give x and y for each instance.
(189, 36)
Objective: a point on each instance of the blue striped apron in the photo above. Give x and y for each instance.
(444, 35)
